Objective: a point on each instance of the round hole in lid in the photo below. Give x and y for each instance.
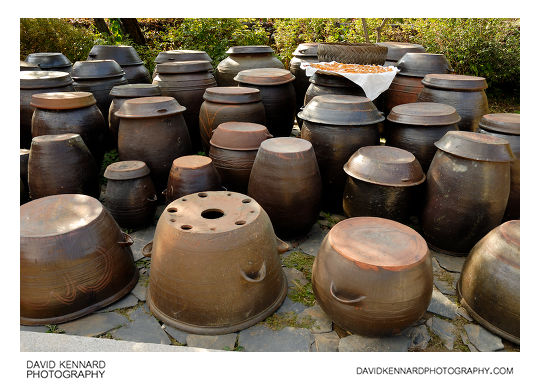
(172, 220)
(172, 209)
(203, 195)
(184, 199)
(246, 201)
(252, 211)
(240, 223)
(212, 214)
(229, 194)
(162, 110)
(186, 227)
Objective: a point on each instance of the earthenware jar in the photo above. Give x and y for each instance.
(467, 190)
(24, 155)
(38, 82)
(489, 284)
(130, 195)
(464, 93)
(25, 66)
(416, 127)
(336, 126)
(242, 58)
(70, 112)
(277, 94)
(190, 174)
(180, 55)
(229, 104)
(127, 57)
(305, 52)
(286, 182)
(506, 126)
(61, 164)
(153, 130)
(326, 84)
(215, 264)
(50, 61)
(186, 82)
(74, 259)
(384, 182)
(397, 49)
(373, 276)
(233, 149)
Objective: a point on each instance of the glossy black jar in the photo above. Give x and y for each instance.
(50, 61)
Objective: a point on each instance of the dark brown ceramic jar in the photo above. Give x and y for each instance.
(467, 190)
(24, 155)
(286, 182)
(336, 126)
(416, 127)
(127, 57)
(186, 82)
(50, 61)
(325, 84)
(61, 164)
(233, 149)
(464, 93)
(305, 52)
(229, 104)
(373, 276)
(243, 58)
(25, 66)
(180, 55)
(397, 49)
(277, 94)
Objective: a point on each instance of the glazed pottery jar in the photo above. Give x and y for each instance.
(25, 66)
(126, 56)
(215, 264)
(326, 84)
(23, 168)
(74, 259)
(305, 52)
(286, 182)
(50, 61)
(397, 49)
(180, 55)
(467, 190)
(373, 276)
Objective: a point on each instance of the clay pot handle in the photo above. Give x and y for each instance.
(259, 276)
(153, 198)
(128, 241)
(147, 249)
(344, 300)
(282, 246)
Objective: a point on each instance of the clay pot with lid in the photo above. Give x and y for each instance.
(489, 283)
(242, 58)
(25, 66)
(416, 127)
(373, 276)
(229, 104)
(305, 52)
(215, 264)
(127, 57)
(326, 84)
(277, 94)
(384, 182)
(180, 55)
(74, 259)
(50, 61)
(233, 149)
(336, 126)
(506, 126)
(23, 168)
(397, 49)
(467, 190)
(464, 93)
(130, 195)
(286, 182)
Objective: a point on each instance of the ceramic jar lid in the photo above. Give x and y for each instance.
(122, 54)
(476, 146)
(239, 136)
(63, 100)
(44, 79)
(504, 123)
(386, 166)
(250, 49)
(184, 67)
(24, 152)
(341, 110)
(306, 49)
(265, 76)
(455, 82)
(192, 162)
(96, 69)
(419, 64)
(286, 145)
(25, 66)
(128, 169)
(424, 114)
(397, 49)
(135, 90)
(181, 55)
(47, 60)
(232, 95)
(150, 107)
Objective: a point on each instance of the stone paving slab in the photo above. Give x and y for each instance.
(293, 275)
(259, 338)
(313, 240)
(290, 305)
(326, 342)
(137, 247)
(127, 301)
(140, 288)
(419, 336)
(450, 263)
(36, 329)
(482, 339)
(178, 335)
(322, 324)
(94, 324)
(445, 287)
(461, 311)
(356, 343)
(442, 306)
(144, 328)
(466, 341)
(444, 329)
(220, 342)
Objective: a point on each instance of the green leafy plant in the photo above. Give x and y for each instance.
(54, 329)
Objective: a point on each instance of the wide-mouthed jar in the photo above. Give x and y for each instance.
(326, 84)
(179, 55)
(233, 149)
(397, 49)
(467, 190)
(130, 195)
(186, 82)
(50, 61)
(337, 126)
(286, 182)
(305, 52)
(74, 259)
(384, 182)
(464, 93)
(215, 264)
(229, 104)
(277, 94)
(25, 66)
(127, 57)
(373, 276)
(24, 155)
(416, 127)
(243, 58)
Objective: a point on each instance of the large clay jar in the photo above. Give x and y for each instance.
(467, 190)
(383, 182)
(373, 276)
(243, 58)
(50, 61)
(23, 168)
(233, 149)
(25, 66)
(336, 126)
(397, 49)
(154, 131)
(305, 52)
(416, 127)
(489, 284)
(215, 264)
(61, 164)
(326, 84)
(506, 126)
(229, 104)
(130, 195)
(286, 182)
(277, 94)
(186, 82)
(127, 57)
(74, 259)
(38, 82)
(70, 112)
(464, 93)
(180, 55)
(190, 174)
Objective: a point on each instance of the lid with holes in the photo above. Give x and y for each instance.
(420, 64)
(397, 49)
(44, 79)
(192, 162)
(128, 169)
(96, 69)
(306, 49)
(184, 67)
(232, 95)
(504, 123)
(250, 49)
(239, 136)
(424, 114)
(341, 110)
(476, 146)
(455, 82)
(122, 54)
(150, 107)
(181, 55)
(135, 90)
(47, 60)
(265, 76)
(63, 100)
